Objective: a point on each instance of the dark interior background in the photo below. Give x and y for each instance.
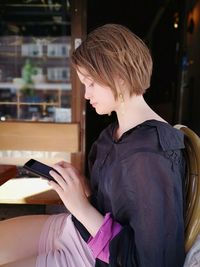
(170, 28)
(164, 26)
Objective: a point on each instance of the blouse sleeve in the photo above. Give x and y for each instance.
(147, 195)
(99, 244)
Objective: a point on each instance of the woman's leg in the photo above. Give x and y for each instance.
(31, 262)
(19, 237)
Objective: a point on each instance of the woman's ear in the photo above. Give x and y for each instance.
(120, 86)
(121, 82)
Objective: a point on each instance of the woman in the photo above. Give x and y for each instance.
(132, 212)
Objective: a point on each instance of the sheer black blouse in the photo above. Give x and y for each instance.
(139, 179)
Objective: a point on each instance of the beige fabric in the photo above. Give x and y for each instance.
(62, 246)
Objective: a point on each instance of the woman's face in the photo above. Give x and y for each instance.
(100, 97)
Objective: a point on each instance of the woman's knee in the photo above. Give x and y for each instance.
(30, 262)
(20, 237)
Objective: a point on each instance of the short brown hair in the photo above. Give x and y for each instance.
(112, 51)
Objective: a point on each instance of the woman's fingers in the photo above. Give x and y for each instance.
(60, 181)
(68, 173)
(64, 164)
(64, 177)
(57, 187)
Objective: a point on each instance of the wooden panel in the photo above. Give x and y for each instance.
(78, 33)
(38, 136)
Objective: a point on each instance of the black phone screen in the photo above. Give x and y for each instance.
(38, 168)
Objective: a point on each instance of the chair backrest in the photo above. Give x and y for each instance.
(192, 185)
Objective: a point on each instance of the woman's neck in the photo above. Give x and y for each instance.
(132, 112)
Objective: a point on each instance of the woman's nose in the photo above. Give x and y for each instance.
(87, 94)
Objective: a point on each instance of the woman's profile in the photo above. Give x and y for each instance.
(130, 212)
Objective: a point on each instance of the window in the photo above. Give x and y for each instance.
(35, 44)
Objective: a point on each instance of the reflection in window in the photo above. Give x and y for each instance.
(58, 50)
(35, 46)
(31, 50)
(58, 74)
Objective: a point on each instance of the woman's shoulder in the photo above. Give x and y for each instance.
(151, 135)
(169, 138)
(148, 135)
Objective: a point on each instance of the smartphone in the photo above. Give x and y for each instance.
(39, 168)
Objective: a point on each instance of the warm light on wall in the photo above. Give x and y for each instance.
(196, 13)
(193, 18)
(176, 20)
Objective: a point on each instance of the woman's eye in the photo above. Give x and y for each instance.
(91, 85)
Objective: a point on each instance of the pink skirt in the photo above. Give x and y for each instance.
(61, 245)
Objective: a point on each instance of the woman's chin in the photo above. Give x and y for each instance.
(101, 112)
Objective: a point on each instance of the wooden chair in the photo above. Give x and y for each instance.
(192, 185)
(47, 142)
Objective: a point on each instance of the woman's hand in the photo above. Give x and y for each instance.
(70, 187)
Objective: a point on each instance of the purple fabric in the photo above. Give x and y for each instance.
(99, 244)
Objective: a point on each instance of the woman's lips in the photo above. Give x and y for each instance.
(93, 104)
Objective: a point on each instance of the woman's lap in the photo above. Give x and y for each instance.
(61, 245)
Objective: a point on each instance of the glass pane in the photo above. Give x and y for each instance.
(35, 46)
